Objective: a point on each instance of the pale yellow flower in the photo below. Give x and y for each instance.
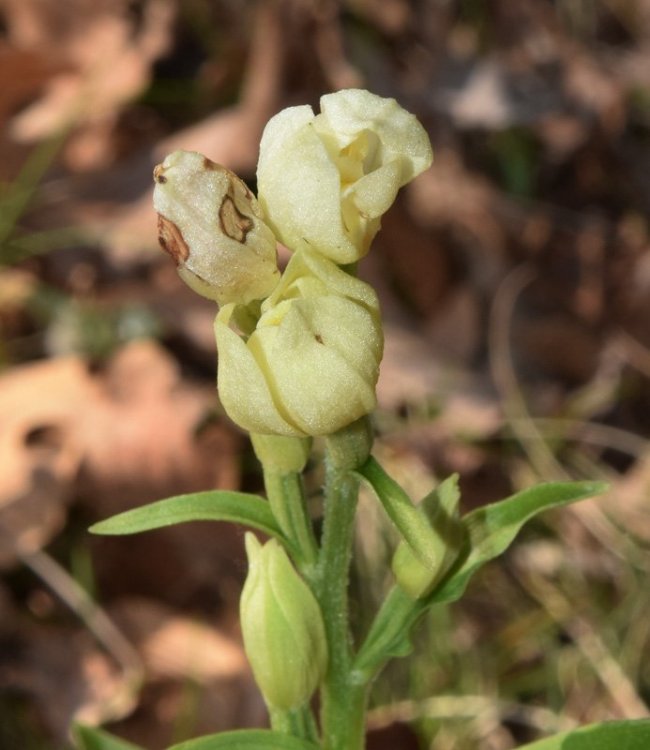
(325, 180)
(310, 367)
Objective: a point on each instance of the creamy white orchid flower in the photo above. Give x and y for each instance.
(311, 365)
(325, 180)
(212, 226)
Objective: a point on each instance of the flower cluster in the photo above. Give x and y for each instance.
(298, 353)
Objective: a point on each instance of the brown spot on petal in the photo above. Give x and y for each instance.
(158, 175)
(171, 240)
(318, 338)
(237, 189)
(233, 223)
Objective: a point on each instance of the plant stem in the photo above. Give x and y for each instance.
(287, 499)
(343, 702)
(389, 634)
(298, 722)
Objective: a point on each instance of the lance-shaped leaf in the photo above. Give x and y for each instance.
(88, 738)
(246, 739)
(492, 528)
(623, 735)
(212, 505)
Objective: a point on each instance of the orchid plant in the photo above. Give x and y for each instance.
(299, 356)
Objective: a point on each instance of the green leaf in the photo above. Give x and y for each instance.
(246, 739)
(621, 735)
(213, 505)
(88, 738)
(492, 528)
(489, 532)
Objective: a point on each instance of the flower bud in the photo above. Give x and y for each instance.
(283, 629)
(325, 180)
(211, 225)
(311, 365)
(439, 511)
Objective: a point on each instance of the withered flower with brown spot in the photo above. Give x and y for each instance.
(211, 225)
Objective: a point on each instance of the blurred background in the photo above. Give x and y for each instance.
(514, 278)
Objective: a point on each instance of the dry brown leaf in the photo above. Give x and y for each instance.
(464, 204)
(558, 344)
(482, 99)
(391, 16)
(409, 373)
(40, 450)
(229, 137)
(140, 438)
(133, 428)
(593, 87)
(177, 647)
(628, 505)
(23, 73)
(106, 56)
(179, 653)
(66, 675)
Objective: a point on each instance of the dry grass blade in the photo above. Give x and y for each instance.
(620, 688)
(124, 699)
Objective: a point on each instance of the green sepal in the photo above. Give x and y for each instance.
(246, 739)
(89, 738)
(625, 735)
(439, 511)
(212, 505)
(408, 519)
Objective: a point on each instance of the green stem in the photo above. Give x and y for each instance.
(287, 499)
(298, 722)
(343, 702)
(280, 720)
(389, 634)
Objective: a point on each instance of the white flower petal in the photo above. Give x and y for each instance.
(243, 389)
(324, 181)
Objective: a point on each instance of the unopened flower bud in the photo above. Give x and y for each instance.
(212, 226)
(325, 180)
(282, 625)
(311, 365)
(416, 574)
